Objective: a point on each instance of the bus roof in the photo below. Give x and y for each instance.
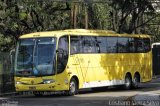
(82, 32)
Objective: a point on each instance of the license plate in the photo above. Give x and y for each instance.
(32, 88)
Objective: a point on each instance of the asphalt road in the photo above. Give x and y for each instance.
(104, 97)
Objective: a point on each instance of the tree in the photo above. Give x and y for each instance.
(127, 15)
(19, 17)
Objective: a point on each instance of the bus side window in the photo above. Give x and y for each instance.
(147, 45)
(139, 45)
(131, 45)
(112, 44)
(101, 44)
(74, 45)
(62, 57)
(122, 45)
(88, 44)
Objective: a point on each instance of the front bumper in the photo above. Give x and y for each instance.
(39, 87)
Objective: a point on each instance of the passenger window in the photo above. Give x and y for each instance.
(131, 45)
(112, 44)
(87, 44)
(147, 45)
(122, 45)
(139, 45)
(74, 45)
(101, 44)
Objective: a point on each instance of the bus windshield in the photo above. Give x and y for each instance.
(35, 57)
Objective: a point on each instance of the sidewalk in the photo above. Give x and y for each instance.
(144, 99)
(150, 98)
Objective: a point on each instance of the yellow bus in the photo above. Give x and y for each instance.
(69, 60)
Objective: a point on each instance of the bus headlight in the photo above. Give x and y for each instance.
(17, 82)
(48, 81)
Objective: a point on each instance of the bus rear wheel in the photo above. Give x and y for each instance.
(136, 81)
(128, 82)
(73, 87)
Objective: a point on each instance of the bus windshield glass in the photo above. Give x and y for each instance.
(35, 57)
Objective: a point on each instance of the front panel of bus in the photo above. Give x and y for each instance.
(36, 64)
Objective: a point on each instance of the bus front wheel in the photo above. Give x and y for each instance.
(72, 87)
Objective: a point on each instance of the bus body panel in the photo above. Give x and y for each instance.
(110, 69)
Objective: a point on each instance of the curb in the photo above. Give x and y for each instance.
(156, 76)
(8, 94)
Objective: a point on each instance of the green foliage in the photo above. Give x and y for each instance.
(102, 15)
(5, 43)
(127, 15)
(19, 17)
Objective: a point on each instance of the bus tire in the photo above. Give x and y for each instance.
(128, 82)
(136, 81)
(73, 87)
